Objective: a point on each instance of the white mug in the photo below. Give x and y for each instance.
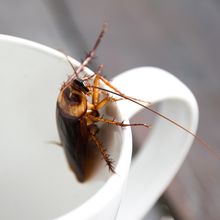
(35, 180)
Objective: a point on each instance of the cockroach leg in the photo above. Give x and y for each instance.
(113, 122)
(55, 143)
(97, 104)
(102, 103)
(105, 100)
(107, 83)
(96, 91)
(102, 150)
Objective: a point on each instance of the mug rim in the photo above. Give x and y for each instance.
(112, 187)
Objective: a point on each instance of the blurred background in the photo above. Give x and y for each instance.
(181, 37)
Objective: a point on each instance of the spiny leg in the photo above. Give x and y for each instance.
(97, 104)
(121, 124)
(106, 82)
(102, 150)
(96, 91)
(100, 104)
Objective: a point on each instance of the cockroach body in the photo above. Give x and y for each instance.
(72, 127)
(74, 136)
(76, 127)
(77, 116)
(78, 110)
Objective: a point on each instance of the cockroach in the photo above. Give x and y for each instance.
(77, 117)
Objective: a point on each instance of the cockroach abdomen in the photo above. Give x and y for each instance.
(73, 134)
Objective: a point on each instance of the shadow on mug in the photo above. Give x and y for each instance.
(141, 134)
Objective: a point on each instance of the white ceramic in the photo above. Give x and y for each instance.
(35, 180)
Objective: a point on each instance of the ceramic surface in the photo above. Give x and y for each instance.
(36, 182)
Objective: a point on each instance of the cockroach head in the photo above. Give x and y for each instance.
(72, 101)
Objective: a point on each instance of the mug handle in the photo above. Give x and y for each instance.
(166, 146)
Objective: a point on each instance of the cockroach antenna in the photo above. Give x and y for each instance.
(89, 55)
(134, 100)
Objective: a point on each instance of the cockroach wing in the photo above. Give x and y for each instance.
(73, 134)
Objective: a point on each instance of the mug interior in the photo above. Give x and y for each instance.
(36, 181)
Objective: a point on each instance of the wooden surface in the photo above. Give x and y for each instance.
(179, 36)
